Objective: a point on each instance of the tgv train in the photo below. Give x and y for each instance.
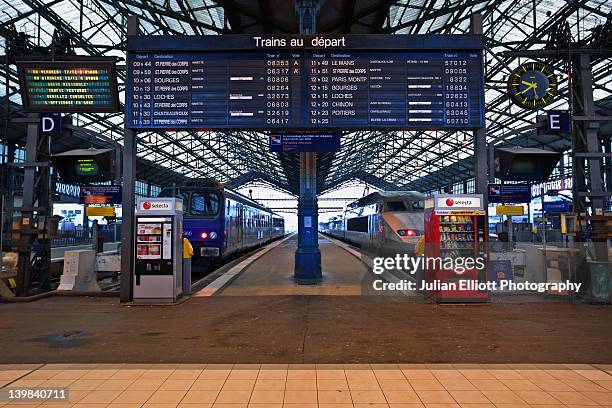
(220, 223)
(384, 223)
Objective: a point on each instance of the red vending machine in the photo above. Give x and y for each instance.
(455, 248)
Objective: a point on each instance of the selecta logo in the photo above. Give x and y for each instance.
(148, 205)
(458, 202)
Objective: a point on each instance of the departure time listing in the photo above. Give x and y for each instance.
(327, 89)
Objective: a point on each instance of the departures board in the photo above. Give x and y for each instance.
(347, 82)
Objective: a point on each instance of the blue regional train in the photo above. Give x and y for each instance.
(220, 223)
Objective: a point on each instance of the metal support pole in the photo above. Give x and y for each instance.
(480, 135)
(308, 254)
(128, 201)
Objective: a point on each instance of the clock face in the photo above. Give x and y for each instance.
(532, 85)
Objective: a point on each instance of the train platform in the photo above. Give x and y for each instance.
(315, 385)
(269, 271)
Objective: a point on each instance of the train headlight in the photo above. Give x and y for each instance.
(406, 233)
(213, 235)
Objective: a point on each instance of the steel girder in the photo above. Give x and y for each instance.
(387, 160)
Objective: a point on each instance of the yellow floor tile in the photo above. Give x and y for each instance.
(99, 374)
(448, 374)
(83, 384)
(503, 397)
(302, 405)
(114, 384)
(146, 384)
(301, 385)
(488, 384)
(199, 397)
(457, 384)
(300, 396)
(207, 385)
(99, 397)
(405, 406)
(584, 385)
(477, 374)
(520, 385)
(133, 397)
(327, 385)
(272, 385)
(243, 374)
(185, 374)
(368, 397)
(330, 375)
(335, 405)
(401, 397)
(211, 374)
(230, 406)
(594, 374)
(127, 374)
(427, 385)
(603, 398)
(166, 397)
(238, 385)
(267, 374)
(301, 375)
(363, 384)
(435, 397)
(395, 385)
(334, 397)
(552, 385)
(389, 375)
(572, 397)
(233, 397)
(267, 397)
(418, 374)
(265, 405)
(537, 397)
(506, 374)
(176, 385)
(469, 397)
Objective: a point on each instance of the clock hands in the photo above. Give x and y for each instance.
(530, 85)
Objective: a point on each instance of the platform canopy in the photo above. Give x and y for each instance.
(397, 160)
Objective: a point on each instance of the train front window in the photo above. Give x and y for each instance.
(405, 205)
(396, 206)
(204, 203)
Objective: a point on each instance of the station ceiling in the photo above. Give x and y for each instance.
(416, 160)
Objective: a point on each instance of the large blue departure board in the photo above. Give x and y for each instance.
(305, 82)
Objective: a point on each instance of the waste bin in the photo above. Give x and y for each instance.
(600, 282)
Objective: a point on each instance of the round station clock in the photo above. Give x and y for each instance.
(532, 85)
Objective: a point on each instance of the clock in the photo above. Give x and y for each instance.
(532, 85)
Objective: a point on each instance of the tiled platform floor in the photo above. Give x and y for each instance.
(324, 386)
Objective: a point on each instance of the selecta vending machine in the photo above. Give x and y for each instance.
(455, 232)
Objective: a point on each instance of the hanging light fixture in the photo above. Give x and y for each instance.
(150, 142)
(465, 141)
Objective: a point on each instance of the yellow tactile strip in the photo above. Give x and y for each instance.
(320, 385)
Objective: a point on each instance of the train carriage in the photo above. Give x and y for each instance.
(220, 223)
(383, 223)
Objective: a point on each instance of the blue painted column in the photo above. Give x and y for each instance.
(308, 255)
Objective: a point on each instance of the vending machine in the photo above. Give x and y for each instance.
(159, 250)
(455, 247)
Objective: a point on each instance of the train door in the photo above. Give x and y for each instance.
(239, 225)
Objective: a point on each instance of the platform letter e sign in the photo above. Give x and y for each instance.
(51, 124)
